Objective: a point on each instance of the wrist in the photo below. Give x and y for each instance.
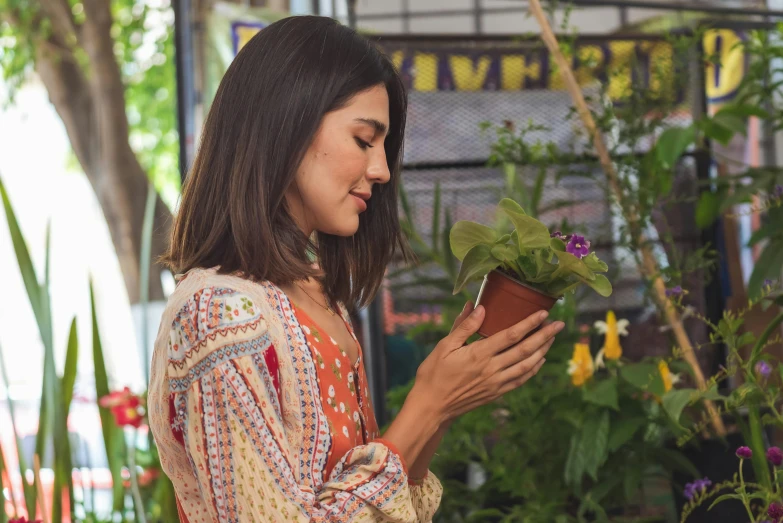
(424, 405)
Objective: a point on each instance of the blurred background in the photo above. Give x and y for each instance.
(103, 102)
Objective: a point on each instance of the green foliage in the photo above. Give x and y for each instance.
(143, 34)
(527, 251)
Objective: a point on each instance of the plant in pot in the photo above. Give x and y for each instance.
(525, 270)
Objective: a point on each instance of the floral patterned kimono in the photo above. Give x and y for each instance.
(259, 415)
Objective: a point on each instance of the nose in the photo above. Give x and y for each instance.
(378, 168)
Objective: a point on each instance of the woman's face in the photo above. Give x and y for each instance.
(345, 161)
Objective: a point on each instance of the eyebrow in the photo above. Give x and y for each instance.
(379, 126)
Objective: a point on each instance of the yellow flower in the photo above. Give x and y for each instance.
(580, 367)
(612, 329)
(669, 379)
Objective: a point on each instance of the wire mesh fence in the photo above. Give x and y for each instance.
(456, 85)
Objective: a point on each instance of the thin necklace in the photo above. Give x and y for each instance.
(326, 307)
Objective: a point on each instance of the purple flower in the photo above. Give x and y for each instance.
(775, 511)
(674, 291)
(769, 283)
(559, 235)
(578, 246)
(763, 369)
(778, 192)
(695, 488)
(775, 456)
(744, 453)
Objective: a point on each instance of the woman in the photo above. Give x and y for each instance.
(258, 396)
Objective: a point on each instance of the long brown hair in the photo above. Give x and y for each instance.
(266, 112)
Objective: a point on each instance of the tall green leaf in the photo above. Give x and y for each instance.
(436, 219)
(596, 446)
(767, 267)
(3, 487)
(28, 490)
(112, 434)
(672, 143)
(62, 445)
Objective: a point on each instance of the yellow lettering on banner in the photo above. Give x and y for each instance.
(591, 59)
(466, 77)
(397, 58)
(661, 68)
(425, 72)
(244, 34)
(514, 70)
(620, 79)
(724, 79)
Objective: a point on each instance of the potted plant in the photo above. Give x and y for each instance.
(524, 271)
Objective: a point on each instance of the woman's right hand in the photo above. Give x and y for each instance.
(459, 377)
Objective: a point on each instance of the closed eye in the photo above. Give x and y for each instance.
(361, 143)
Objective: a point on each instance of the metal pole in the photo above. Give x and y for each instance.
(183, 57)
(316, 7)
(352, 14)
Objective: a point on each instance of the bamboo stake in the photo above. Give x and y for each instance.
(39, 486)
(649, 266)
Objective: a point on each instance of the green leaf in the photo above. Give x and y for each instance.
(715, 131)
(595, 264)
(436, 218)
(504, 253)
(767, 267)
(567, 264)
(557, 245)
(465, 235)
(4, 487)
(734, 123)
(603, 393)
(70, 370)
(673, 143)
(112, 434)
(596, 432)
(575, 463)
(449, 260)
(623, 429)
(600, 284)
(744, 111)
(508, 205)
(675, 401)
(477, 263)
(531, 233)
(640, 375)
(675, 460)
(707, 210)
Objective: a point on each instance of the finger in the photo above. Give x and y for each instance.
(462, 315)
(524, 349)
(521, 380)
(467, 328)
(521, 368)
(513, 335)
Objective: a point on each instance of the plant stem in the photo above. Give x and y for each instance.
(774, 324)
(134, 480)
(744, 493)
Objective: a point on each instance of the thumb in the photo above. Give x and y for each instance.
(462, 315)
(468, 327)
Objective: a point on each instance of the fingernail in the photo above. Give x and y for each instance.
(559, 325)
(543, 315)
(478, 310)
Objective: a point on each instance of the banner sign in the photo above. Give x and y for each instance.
(507, 66)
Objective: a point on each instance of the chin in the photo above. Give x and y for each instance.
(345, 228)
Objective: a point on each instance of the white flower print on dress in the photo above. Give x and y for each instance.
(342, 407)
(306, 329)
(332, 340)
(356, 415)
(331, 391)
(345, 431)
(337, 362)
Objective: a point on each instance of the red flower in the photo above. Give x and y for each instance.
(125, 406)
(23, 520)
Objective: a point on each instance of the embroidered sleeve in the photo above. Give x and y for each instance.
(226, 395)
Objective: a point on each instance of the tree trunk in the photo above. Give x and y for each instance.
(91, 103)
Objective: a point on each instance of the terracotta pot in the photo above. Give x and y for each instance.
(508, 301)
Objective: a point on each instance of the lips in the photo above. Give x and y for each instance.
(361, 199)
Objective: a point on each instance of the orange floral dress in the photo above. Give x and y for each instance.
(344, 392)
